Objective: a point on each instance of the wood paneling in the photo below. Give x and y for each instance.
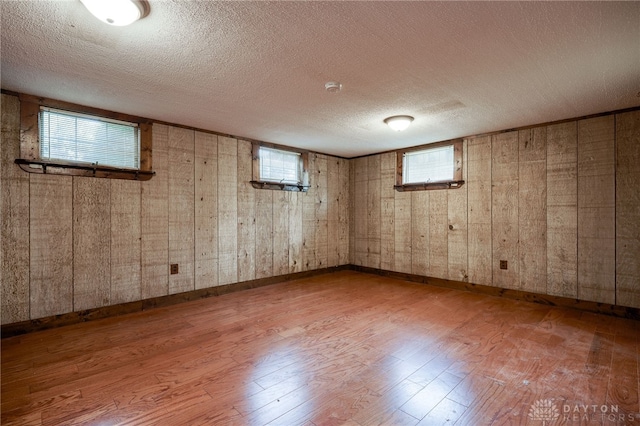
(352, 212)
(596, 209)
(387, 211)
(154, 221)
(628, 209)
(562, 209)
(14, 209)
(420, 232)
(281, 259)
(333, 212)
(181, 208)
(227, 210)
(532, 209)
(51, 245)
(321, 212)
(344, 210)
(458, 257)
(360, 210)
(264, 233)
(373, 212)
(206, 210)
(479, 210)
(504, 209)
(246, 214)
(91, 243)
(125, 241)
(438, 234)
(309, 218)
(295, 248)
(402, 232)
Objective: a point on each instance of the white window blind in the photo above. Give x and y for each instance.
(279, 166)
(429, 165)
(88, 139)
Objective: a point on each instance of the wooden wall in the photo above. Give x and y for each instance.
(76, 243)
(560, 203)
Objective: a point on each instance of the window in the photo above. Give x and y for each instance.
(86, 139)
(435, 166)
(276, 168)
(62, 138)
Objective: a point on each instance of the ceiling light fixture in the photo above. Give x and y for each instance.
(399, 122)
(117, 12)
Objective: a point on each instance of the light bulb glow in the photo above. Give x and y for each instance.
(115, 12)
(399, 122)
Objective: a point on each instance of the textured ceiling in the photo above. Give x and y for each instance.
(258, 69)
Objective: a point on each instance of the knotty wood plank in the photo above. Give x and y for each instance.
(596, 209)
(504, 209)
(154, 220)
(246, 214)
(344, 212)
(227, 210)
(562, 209)
(333, 211)
(420, 233)
(387, 208)
(321, 212)
(125, 241)
(309, 218)
(532, 209)
(402, 232)
(14, 240)
(51, 245)
(458, 258)
(360, 196)
(438, 234)
(181, 208)
(281, 258)
(91, 243)
(479, 210)
(628, 209)
(264, 233)
(373, 212)
(295, 211)
(206, 209)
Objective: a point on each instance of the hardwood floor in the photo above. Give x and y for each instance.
(339, 349)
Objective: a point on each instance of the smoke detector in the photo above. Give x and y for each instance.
(333, 86)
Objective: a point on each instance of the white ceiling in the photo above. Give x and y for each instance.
(257, 69)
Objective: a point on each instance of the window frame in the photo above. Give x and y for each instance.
(259, 183)
(455, 183)
(31, 161)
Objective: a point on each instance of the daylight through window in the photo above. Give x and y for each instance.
(86, 139)
(429, 165)
(280, 166)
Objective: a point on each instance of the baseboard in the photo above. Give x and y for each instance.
(544, 299)
(30, 326)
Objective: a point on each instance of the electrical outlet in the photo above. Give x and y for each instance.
(174, 268)
(503, 264)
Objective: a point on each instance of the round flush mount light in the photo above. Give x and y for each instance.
(333, 86)
(117, 12)
(399, 122)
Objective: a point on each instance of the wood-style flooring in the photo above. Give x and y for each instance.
(338, 349)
